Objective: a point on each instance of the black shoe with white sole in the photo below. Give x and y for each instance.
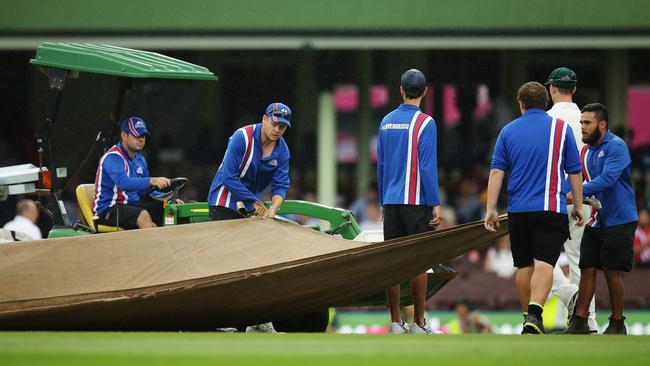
(533, 325)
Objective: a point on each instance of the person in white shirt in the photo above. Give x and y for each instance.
(562, 85)
(499, 259)
(25, 220)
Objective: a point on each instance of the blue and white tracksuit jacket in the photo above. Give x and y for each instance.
(120, 179)
(607, 174)
(244, 175)
(407, 166)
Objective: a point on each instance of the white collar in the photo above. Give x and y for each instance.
(565, 105)
(23, 219)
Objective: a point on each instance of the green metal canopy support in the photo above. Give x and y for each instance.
(117, 61)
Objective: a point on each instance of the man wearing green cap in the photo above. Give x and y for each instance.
(562, 85)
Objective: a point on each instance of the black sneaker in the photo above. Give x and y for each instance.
(533, 325)
(578, 325)
(523, 328)
(616, 326)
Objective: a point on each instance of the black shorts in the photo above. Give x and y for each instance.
(537, 235)
(404, 220)
(218, 213)
(612, 249)
(128, 214)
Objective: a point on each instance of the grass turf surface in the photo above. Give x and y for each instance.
(52, 348)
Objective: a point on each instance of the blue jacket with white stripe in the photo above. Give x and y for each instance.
(607, 173)
(120, 179)
(244, 174)
(538, 150)
(407, 165)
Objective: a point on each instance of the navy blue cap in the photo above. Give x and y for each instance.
(413, 81)
(279, 112)
(135, 126)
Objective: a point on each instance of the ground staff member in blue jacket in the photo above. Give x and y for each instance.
(122, 182)
(538, 150)
(257, 157)
(407, 180)
(607, 171)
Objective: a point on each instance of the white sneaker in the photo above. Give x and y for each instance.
(398, 327)
(571, 312)
(593, 325)
(261, 328)
(425, 328)
(571, 308)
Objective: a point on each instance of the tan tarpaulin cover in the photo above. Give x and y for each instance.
(205, 275)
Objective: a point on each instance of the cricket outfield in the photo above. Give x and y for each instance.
(72, 348)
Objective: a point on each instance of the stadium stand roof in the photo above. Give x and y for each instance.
(331, 23)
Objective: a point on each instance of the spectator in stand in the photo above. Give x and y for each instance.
(499, 259)
(468, 202)
(372, 219)
(359, 206)
(308, 196)
(468, 320)
(25, 220)
(642, 240)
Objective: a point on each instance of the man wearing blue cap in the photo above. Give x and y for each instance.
(407, 183)
(257, 157)
(122, 182)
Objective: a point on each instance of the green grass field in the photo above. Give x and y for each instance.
(51, 348)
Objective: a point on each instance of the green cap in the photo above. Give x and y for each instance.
(562, 77)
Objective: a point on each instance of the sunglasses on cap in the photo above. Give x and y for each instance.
(282, 113)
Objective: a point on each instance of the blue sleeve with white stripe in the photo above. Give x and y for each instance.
(380, 169)
(113, 166)
(616, 160)
(500, 157)
(280, 181)
(428, 156)
(571, 156)
(230, 169)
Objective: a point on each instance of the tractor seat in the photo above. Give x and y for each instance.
(85, 193)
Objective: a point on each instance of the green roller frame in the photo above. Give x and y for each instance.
(341, 221)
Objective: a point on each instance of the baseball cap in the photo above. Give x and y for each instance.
(279, 112)
(413, 81)
(135, 126)
(562, 77)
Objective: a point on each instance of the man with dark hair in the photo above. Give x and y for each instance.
(407, 183)
(562, 85)
(608, 239)
(122, 182)
(531, 96)
(537, 149)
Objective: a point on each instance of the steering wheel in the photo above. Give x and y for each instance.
(170, 192)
